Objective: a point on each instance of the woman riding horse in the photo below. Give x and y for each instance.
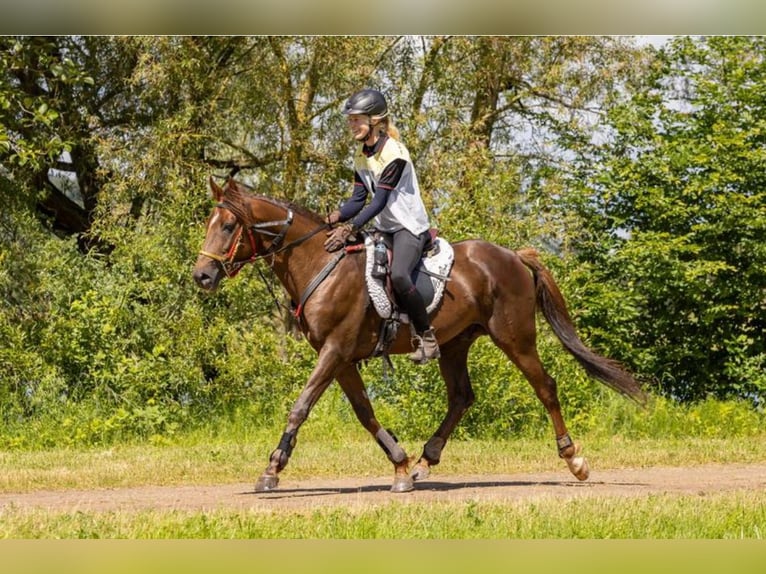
(493, 291)
(383, 168)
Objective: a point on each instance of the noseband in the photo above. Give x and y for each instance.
(231, 267)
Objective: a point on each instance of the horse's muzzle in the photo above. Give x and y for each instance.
(205, 280)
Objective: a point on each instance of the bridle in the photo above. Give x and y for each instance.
(232, 267)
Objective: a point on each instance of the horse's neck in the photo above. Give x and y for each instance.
(295, 266)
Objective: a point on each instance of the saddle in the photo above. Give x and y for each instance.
(430, 278)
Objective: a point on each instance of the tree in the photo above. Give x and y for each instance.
(674, 222)
(503, 131)
(61, 93)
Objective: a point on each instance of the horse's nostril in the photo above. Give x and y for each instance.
(202, 279)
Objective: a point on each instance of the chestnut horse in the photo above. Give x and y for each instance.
(492, 291)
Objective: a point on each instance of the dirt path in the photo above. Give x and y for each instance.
(368, 492)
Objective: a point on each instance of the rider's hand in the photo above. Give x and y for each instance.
(333, 218)
(336, 238)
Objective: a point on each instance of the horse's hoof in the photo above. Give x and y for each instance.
(579, 467)
(420, 472)
(266, 483)
(402, 484)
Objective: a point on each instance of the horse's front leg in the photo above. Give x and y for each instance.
(320, 379)
(351, 382)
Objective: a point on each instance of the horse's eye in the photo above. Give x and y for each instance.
(229, 227)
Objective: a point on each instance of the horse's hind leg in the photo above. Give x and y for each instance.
(454, 370)
(351, 382)
(523, 352)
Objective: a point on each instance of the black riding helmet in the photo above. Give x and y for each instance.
(367, 102)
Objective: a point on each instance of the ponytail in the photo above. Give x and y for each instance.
(393, 131)
(387, 127)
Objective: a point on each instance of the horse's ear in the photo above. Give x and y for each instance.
(215, 189)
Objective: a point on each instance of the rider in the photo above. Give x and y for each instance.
(383, 168)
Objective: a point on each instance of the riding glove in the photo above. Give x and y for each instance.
(333, 217)
(336, 238)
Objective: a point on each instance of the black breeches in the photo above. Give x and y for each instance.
(407, 250)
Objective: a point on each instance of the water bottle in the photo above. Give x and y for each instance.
(380, 260)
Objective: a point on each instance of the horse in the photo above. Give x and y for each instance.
(492, 291)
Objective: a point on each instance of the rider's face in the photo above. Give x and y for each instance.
(360, 126)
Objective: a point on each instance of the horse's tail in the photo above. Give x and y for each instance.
(554, 309)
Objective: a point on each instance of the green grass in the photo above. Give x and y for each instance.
(235, 450)
(719, 516)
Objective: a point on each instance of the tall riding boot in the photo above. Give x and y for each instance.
(426, 347)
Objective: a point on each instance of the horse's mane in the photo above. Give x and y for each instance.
(236, 197)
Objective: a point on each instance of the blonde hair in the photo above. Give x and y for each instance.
(386, 126)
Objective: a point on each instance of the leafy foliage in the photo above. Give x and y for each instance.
(674, 213)
(652, 219)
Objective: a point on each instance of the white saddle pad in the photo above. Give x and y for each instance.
(438, 260)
